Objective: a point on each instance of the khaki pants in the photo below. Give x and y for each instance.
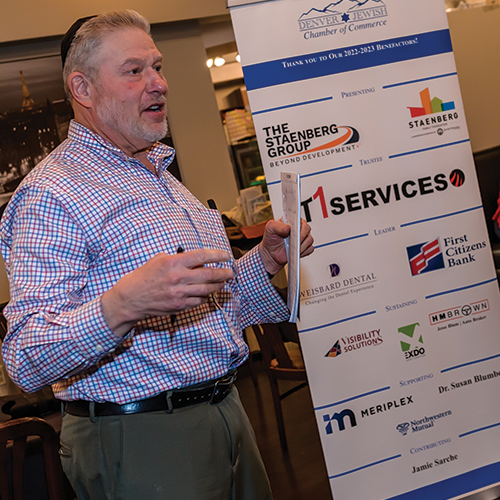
(202, 452)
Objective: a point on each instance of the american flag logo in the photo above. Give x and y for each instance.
(425, 257)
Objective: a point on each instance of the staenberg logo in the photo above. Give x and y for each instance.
(308, 144)
(342, 16)
(460, 312)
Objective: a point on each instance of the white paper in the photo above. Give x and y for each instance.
(290, 190)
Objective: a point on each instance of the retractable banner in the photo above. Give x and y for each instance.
(399, 314)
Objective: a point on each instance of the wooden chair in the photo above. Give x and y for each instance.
(280, 363)
(11, 475)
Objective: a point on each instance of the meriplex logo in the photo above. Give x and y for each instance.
(355, 342)
(412, 346)
(292, 146)
(338, 17)
(381, 195)
(460, 312)
(387, 406)
(425, 257)
(340, 419)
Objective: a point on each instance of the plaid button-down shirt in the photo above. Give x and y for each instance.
(83, 218)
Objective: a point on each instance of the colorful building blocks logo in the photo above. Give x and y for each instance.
(430, 106)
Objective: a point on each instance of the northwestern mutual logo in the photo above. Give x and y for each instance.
(339, 17)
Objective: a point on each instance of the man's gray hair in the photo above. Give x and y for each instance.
(84, 52)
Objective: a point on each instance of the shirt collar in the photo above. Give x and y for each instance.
(156, 154)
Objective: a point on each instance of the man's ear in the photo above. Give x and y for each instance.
(81, 88)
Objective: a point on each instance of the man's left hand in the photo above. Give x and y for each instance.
(272, 247)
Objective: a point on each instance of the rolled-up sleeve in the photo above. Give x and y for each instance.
(260, 302)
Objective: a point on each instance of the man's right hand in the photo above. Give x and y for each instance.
(165, 285)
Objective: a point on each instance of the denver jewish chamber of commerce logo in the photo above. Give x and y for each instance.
(340, 419)
(327, 20)
(412, 344)
(425, 257)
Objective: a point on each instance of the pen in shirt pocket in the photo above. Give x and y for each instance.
(173, 317)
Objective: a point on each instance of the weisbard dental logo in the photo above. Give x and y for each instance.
(342, 16)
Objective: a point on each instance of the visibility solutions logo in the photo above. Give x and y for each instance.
(342, 16)
(294, 146)
(355, 343)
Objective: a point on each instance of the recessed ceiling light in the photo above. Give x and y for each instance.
(219, 61)
(210, 63)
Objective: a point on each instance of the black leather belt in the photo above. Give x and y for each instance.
(212, 392)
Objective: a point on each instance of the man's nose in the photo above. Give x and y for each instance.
(157, 83)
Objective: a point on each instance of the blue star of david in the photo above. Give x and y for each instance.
(345, 17)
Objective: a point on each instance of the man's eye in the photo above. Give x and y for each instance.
(158, 69)
(134, 71)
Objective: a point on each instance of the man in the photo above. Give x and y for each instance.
(124, 294)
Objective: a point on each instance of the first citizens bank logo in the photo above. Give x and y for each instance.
(428, 256)
(342, 16)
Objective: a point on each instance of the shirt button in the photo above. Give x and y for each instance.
(99, 348)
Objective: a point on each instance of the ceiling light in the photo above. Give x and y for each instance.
(219, 61)
(210, 63)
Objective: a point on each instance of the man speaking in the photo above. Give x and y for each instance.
(124, 294)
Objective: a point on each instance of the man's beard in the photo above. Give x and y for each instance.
(108, 113)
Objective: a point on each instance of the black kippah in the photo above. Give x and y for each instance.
(70, 35)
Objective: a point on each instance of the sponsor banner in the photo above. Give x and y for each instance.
(400, 305)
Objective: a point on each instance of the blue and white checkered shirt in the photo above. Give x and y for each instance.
(83, 218)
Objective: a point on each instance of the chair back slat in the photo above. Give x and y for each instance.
(4, 474)
(18, 430)
(18, 454)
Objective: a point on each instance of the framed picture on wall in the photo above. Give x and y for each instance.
(34, 116)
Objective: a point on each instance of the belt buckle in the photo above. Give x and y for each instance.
(227, 381)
